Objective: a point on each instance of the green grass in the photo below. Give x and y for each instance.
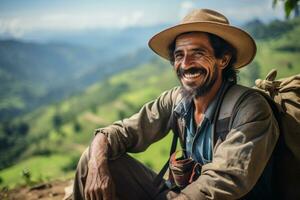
(41, 168)
(157, 154)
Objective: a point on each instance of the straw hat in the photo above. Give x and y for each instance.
(210, 21)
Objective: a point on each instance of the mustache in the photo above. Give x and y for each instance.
(191, 70)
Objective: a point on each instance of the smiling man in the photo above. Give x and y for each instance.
(230, 138)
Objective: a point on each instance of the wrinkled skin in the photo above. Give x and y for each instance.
(99, 183)
(195, 63)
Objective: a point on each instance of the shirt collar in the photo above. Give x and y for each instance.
(185, 104)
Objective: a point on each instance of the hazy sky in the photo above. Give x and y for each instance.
(22, 16)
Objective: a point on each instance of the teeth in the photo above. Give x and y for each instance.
(189, 75)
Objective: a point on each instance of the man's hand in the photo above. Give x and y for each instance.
(176, 196)
(170, 195)
(99, 184)
(180, 197)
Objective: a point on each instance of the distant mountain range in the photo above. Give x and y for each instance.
(37, 73)
(120, 40)
(34, 74)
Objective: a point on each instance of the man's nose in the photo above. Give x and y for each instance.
(187, 61)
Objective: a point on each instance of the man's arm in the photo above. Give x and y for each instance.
(149, 125)
(133, 134)
(241, 158)
(99, 183)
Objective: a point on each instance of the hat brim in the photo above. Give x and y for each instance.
(243, 43)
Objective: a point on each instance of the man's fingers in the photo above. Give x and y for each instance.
(92, 196)
(106, 190)
(98, 194)
(86, 194)
(109, 190)
(99, 186)
(105, 194)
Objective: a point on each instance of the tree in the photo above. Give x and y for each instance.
(57, 121)
(23, 128)
(289, 6)
(77, 126)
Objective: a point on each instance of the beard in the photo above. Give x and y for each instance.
(209, 79)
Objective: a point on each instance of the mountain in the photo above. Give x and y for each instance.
(33, 74)
(117, 40)
(276, 28)
(28, 71)
(49, 66)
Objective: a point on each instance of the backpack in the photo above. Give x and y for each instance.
(283, 97)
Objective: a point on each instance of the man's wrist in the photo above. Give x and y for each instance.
(99, 148)
(97, 162)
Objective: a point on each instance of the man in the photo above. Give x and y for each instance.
(205, 52)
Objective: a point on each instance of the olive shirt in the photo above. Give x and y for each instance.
(237, 162)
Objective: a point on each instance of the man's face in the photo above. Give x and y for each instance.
(195, 64)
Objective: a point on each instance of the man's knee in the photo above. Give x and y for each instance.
(80, 176)
(82, 166)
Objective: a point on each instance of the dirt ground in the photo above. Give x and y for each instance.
(54, 190)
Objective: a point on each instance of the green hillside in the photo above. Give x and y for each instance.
(48, 141)
(34, 74)
(278, 47)
(27, 71)
(63, 130)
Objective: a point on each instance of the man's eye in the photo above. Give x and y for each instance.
(199, 53)
(178, 56)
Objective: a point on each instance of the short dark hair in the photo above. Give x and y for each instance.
(220, 47)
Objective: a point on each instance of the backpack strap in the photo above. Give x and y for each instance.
(226, 109)
(160, 175)
(172, 122)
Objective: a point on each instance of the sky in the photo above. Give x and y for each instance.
(19, 17)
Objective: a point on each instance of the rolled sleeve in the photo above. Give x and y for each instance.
(136, 133)
(240, 159)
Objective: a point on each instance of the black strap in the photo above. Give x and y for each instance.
(227, 108)
(160, 175)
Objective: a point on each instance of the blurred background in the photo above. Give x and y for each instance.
(68, 67)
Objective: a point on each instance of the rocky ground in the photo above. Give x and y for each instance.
(55, 190)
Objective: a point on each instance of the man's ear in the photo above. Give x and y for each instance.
(225, 60)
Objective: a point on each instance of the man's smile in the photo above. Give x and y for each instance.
(192, 73)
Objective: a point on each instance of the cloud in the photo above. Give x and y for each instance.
(185, 7)
(11, 27)
(18, 26)
(262, 10)
(16, 22)
(131, 19)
